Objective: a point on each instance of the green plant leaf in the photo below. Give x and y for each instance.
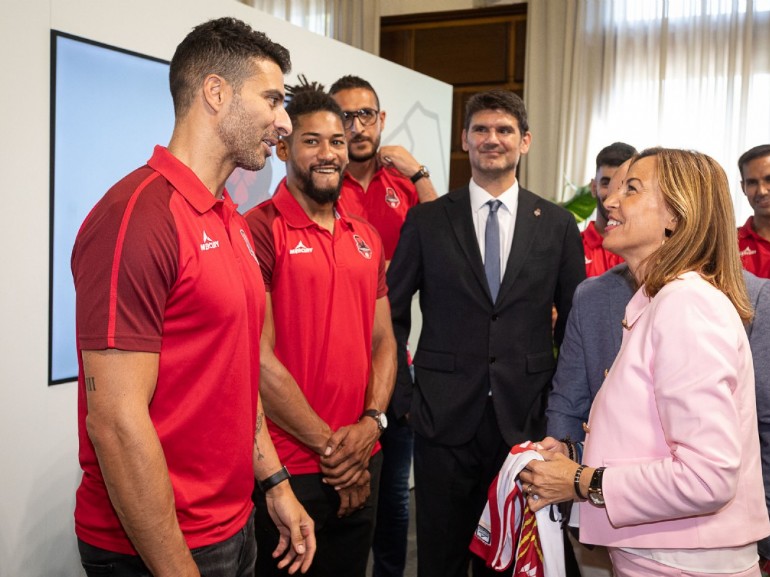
(582, 204)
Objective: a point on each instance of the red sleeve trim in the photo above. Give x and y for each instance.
(113, 306)
(260, 220)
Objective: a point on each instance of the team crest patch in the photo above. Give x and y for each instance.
(392, 198)
(362, 247)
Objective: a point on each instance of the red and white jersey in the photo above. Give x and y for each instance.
(151, 264)
(509, 532)
(323, 287)
(384, 203)
(754, 250)
(598, 260)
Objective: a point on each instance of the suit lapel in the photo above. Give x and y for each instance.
(461, 221)
(527, 217)
(618, 300)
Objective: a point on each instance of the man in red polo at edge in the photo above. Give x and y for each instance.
(328, 350)
(754, 235)
(381, 183)
(598, 260)
(169, 302)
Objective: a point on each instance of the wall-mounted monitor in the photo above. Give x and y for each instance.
(109, 108)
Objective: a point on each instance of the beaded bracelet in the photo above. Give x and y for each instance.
(576, 482)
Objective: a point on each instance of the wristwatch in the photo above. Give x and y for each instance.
(423, 172)
(379, 418)
(595, 494)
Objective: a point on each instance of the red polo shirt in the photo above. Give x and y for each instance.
(162, 266)
(323, 288)
(755, 250)
(598, 260)
(384, 204)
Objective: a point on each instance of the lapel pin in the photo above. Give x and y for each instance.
(537, 212)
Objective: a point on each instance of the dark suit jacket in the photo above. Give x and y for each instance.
(468, 344)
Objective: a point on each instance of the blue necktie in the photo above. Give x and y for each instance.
(492, 249)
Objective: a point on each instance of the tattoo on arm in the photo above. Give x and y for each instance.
(260, 421)
(90, 384)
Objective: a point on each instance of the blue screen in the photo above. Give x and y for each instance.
(110, 108)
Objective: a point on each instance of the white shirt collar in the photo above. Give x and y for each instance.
(479, 196)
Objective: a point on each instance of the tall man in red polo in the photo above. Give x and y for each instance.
(381, 184)
(754, 235)
(170, 303)
(328, 351)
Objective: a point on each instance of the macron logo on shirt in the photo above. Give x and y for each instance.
(208, 243)
(300, 249)
(747, 252)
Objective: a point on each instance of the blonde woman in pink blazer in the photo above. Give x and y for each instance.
(671, 478)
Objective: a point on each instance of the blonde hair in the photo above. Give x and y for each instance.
(695, 189)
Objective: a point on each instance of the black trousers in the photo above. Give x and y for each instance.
(451, 484)
(342, 543)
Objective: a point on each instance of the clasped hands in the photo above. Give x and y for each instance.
(344, 463)
(551, 480)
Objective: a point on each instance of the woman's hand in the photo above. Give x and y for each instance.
(553, 445)
(550, 481)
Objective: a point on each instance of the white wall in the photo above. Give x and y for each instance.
(38, 440)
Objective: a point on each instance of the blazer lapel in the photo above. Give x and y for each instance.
(461, 221)
(618, 299)
(527, 217)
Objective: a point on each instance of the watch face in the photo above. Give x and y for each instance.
(383, 421)
(596, 498)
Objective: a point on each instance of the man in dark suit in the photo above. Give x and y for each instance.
(490, 260)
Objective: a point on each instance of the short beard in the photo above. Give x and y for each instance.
(362, 157)
(238, 134)
(602, 211)
(322, 196)
(367, 156)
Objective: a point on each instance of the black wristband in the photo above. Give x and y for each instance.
(576, 482)
(266, 484)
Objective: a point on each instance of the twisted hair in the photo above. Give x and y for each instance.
(309, 97)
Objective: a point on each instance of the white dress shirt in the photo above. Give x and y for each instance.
(506, 218)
